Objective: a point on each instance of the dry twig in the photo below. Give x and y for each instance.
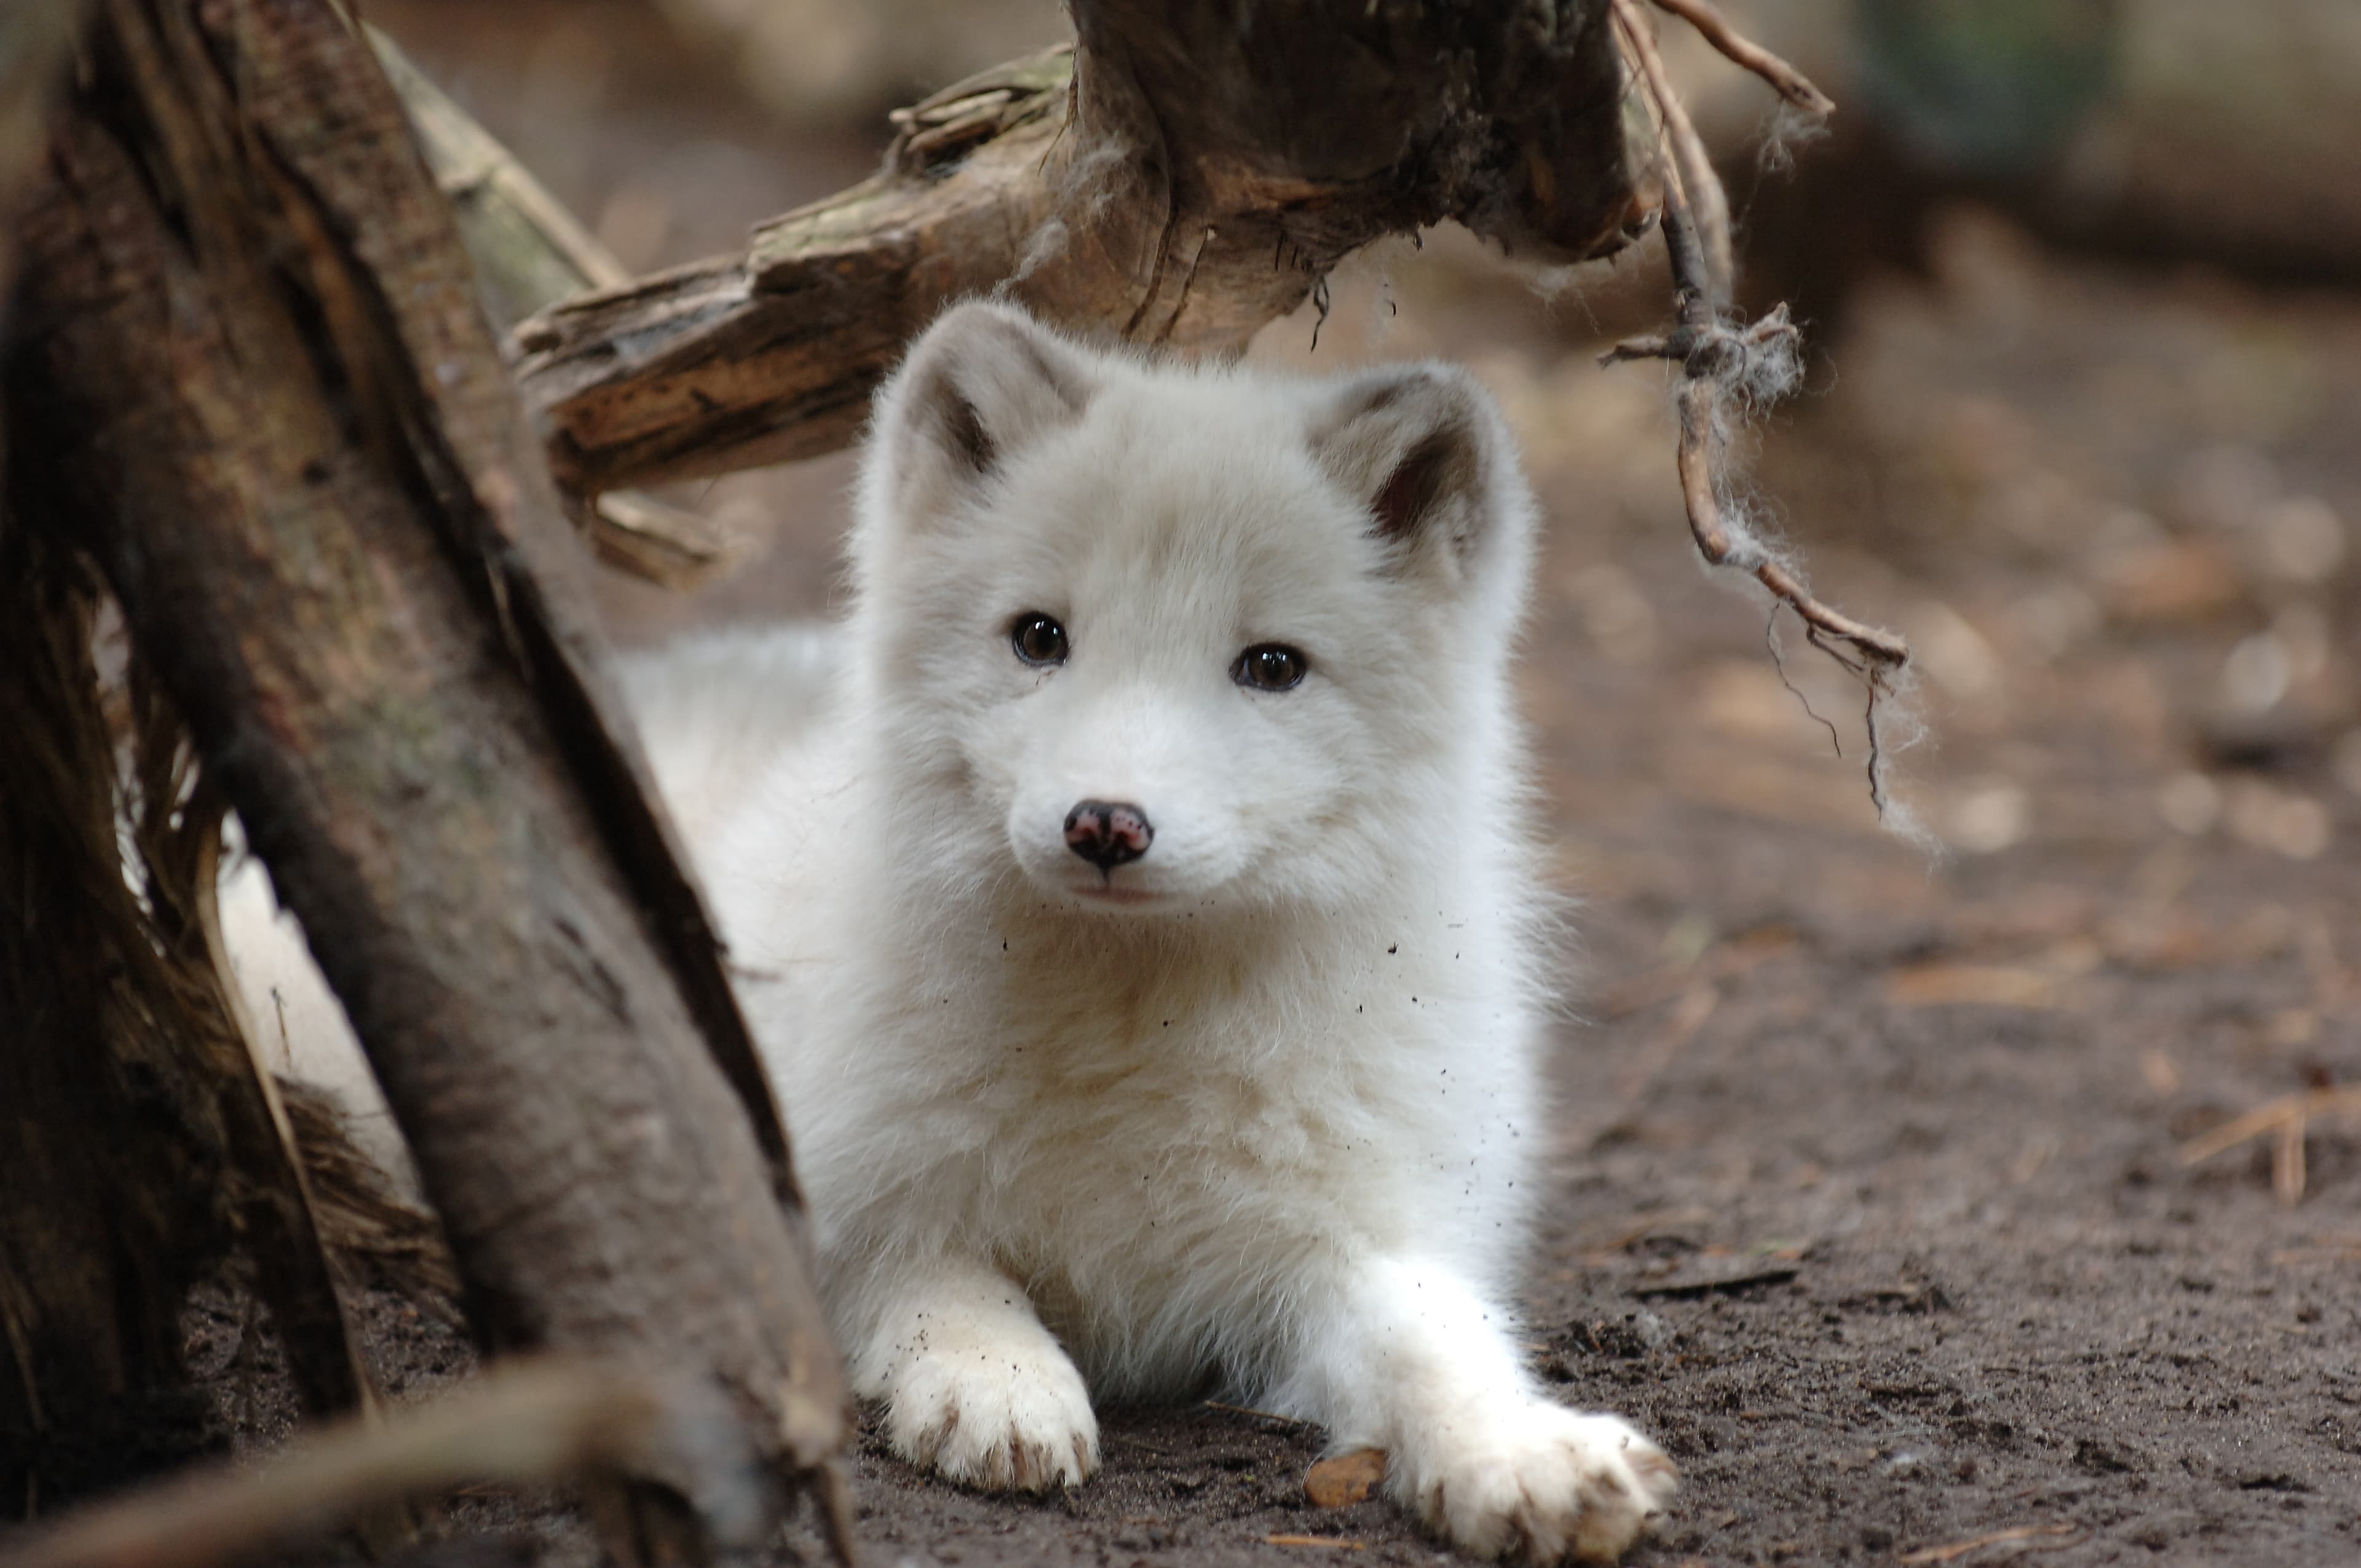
(2286, 1120)
(1721, 362)
(1958, 1549)
(1689, 176)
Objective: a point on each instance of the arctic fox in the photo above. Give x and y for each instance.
(1144, 931)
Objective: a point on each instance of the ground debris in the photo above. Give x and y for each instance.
(1346, 1479)
(1718, 1285)
(1958, 1549)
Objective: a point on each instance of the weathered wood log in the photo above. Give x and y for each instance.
(530, 253)
(1186, 174)
(36, 43)
(253, 380)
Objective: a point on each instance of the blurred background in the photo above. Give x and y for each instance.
(2083, 289)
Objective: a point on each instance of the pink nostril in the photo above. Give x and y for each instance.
(1108, 833)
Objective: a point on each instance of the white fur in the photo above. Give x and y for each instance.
(299, 1025)
(715, 707)
(1261, 1111)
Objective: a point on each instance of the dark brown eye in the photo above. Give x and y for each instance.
(1037, 639)
(1270, 667)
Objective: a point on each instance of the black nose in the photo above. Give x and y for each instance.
(1108, 832)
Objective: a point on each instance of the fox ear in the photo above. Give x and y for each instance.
(980, 384)
(1423, 448)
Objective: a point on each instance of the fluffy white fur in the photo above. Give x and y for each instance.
(1260, 1111)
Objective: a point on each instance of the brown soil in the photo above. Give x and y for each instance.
(1867, 1200)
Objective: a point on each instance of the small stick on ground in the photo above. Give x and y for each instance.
(1721, 361)
(1998, 1538)
(2285, 1119)
(2286, 1161)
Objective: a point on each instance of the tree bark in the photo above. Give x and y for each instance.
(107, 1185)
(1185, 174)
(140, 1139)
(253, 379)
(35, 44)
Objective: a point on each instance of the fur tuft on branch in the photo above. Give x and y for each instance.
(1729, 370)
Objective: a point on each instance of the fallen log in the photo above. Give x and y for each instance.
(251, 378)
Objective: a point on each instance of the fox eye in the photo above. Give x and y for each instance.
(1037, 639)
(1270, 667)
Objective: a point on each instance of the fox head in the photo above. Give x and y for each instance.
(1162, 638)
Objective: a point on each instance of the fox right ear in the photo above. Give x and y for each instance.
(980, 384)
(1423, 449)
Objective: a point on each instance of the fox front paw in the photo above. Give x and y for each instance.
(1541, 1485)
(1004, 1420)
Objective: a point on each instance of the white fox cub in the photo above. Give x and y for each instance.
(1146, 930)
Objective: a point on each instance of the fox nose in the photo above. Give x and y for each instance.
(1108, 832)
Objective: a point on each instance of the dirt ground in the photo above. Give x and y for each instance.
(1870, 1198)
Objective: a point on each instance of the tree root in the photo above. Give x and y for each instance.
(1724, 364)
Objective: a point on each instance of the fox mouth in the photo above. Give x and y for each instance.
(1107, 892)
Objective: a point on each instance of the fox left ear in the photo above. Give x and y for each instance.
(980, 385)
(1422, 447)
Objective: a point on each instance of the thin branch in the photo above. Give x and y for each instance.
(526, 1423)
(1691, 182)
(1784, 79)
(1779, 663)
(2285, 1120)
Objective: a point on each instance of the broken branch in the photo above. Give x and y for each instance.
(1784, 79)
